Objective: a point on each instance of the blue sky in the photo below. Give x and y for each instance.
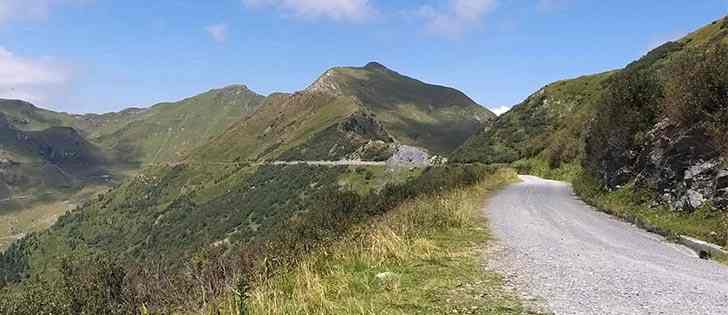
(104, 55)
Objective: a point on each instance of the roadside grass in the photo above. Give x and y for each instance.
(423, 257)
(628, 203)
(567, 172)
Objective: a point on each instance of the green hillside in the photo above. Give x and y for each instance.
(301, 126)
(549, 124)
(168, 131)
(57, 157)
(25, 116)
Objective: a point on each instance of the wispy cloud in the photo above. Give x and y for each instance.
(218, 32)
(30, 79)
(500, 110)
(338, 10)
(456, 17)
(31, 9)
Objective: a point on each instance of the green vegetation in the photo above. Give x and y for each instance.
(422, 257)
(169, 131)
(367, 179)
(24, 116)
(567, 172)
(549, 126)
(290, 229)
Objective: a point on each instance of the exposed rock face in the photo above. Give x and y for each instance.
(409, 156)
(680, 165)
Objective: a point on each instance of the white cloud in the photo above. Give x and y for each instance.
(218, 32)
(338, 10)
(500, 110)
(456, 17)
(31, 9)
(30, 79)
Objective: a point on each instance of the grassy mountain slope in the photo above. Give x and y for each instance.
(657, 151)
(415, 113)
(301, 126)
(25, 116)
(163, 132)
(50, 162)
(549, 124)
(177, 208)
(57, 157)
(169, 131)
(241, 229)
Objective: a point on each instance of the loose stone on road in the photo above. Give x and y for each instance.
(580, 261)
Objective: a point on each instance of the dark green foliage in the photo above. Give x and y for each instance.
(95, 286)
(696, 93)
(627, 112)
(680, 86)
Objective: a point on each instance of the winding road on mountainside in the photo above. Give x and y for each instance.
(556, 250)
(313, 163)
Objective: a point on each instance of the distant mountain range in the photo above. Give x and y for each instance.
(354, 113)
(192, 178)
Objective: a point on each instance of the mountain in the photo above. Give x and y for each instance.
(307, 125)
(352, 113)
(415, 113)
(163, 132)
(52, 162)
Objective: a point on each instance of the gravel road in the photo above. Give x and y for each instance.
(555, 249)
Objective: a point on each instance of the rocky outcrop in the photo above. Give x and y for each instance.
(409, 156)
(680, 165)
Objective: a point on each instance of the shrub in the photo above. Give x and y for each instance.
(696, 93)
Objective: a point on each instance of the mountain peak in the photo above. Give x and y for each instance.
(375, 66)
